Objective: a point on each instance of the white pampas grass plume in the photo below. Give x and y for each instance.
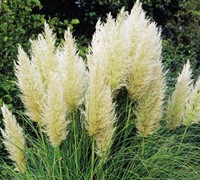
(177, 101)
(54, 113)
(146, 47)
(43, 54)
(104, 140)
(72, 71)
(108, 48)
(134, 28)
(30, 84)
(100, 110)
(33, 75)
(146, 83)
(192, 111)
(14, 140)
(149, 113)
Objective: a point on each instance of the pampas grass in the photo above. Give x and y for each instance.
(43, 54)
(192, 110)
(146, 83)
(102, 141)
(107, 47)
(72, 71)
(100, 110)
(31, 86)
(179, 98)
(54, 113)
(14, 140)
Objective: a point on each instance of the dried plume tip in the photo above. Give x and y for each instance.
(179, 98)
(14, 140)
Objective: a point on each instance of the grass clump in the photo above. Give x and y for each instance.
(102, 123)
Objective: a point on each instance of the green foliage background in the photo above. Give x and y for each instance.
(21, 20)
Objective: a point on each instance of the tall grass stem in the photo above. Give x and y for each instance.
(75, 141)
(143, 146)
(45, 149)
(92, 160)
(60, 162)
(182, 139)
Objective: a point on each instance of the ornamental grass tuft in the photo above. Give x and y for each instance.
(102, 118)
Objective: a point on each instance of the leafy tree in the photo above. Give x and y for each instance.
(183, 35)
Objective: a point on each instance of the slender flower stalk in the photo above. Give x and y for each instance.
(192, 111)
(54, 114)
(100, 113)
(72, 71)
(14, 140)
(177, 101)
(146, 83)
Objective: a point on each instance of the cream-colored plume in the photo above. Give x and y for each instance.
(145, 52)
(134, 28)
(72, 71)
(108, 48)
(100, 110)
(177, 101)
(146, 83)
(33, 74)
(43, 54)
(192, 111)
(54, 113)
(14, 140)
(30, 84)
(104, 140)
(149, 113)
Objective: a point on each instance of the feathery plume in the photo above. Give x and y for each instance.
(100, 113)
(43, 54)
(133, 29)
(146, 54)
(107, 47)
(54, 113)
(30, 84)
(192, 111)
(146, 83)
(72, 71)
(33, 74)
(104, 140)
(14, 140)
(149, 113)
(179, 98)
